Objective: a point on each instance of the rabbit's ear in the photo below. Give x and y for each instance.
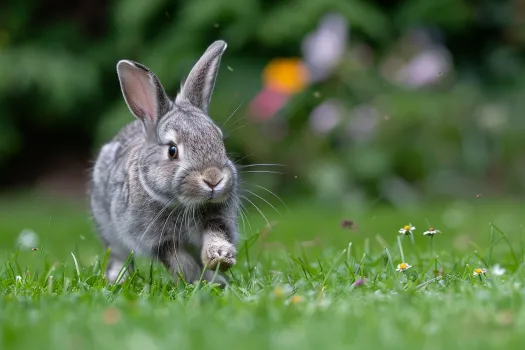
(142, 91)
(198, 87)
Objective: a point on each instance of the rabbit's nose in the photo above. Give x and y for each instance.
(212, 177)
(212, 184)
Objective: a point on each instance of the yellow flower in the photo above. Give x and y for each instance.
(286, 75)
(296, 299)
(403, 267)
(278, 292)
(479, 271)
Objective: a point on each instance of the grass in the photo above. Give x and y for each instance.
(293, 288)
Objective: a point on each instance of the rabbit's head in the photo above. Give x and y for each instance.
(183, 158)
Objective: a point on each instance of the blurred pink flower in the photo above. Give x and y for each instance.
(267, 103)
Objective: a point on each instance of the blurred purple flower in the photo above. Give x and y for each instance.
(323, 49)
(359, 282)
(424, 69)
(417, 60)
(325, 117)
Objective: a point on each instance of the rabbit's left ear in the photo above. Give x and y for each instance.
(198, 87)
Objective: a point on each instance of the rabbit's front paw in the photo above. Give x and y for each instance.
(219, 252)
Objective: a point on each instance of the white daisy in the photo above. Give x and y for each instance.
(407, 229)
(403, 267)
(479, 271)
(431, 232)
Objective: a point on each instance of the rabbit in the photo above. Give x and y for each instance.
(164, 187)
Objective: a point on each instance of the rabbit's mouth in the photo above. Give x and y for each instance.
(208, 197)
(217, 197)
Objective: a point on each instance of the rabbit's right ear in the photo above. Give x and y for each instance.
(198, 87)
(142, 91)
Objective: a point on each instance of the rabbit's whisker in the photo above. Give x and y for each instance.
(238, 128)
(259, 210)
(273, 194)
(262, 171)
(241, 211)
(235, 111)
(261, 198)
(261, 164)
(236, 161)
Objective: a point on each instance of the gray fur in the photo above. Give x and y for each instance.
(182, 212)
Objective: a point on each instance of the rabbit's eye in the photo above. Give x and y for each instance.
(173, 152)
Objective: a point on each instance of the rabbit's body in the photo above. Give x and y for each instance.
(164, 187)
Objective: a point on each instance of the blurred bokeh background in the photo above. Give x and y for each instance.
(398, 101)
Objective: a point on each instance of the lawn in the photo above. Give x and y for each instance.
(294, 286)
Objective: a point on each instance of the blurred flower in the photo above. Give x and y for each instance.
(497, 270)
(407, 229)
(18, 279)
(431, 232)
(278, 292)
(403, 267)
(424, 69)
(285, 75)
(359, 282)
(282, 77)
(267, 103)
(323, 49)
(325, 117)
(479, 271)
(417, 60)
(296, 299)
(27, 239)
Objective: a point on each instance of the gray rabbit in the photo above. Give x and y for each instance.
(164, 186)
